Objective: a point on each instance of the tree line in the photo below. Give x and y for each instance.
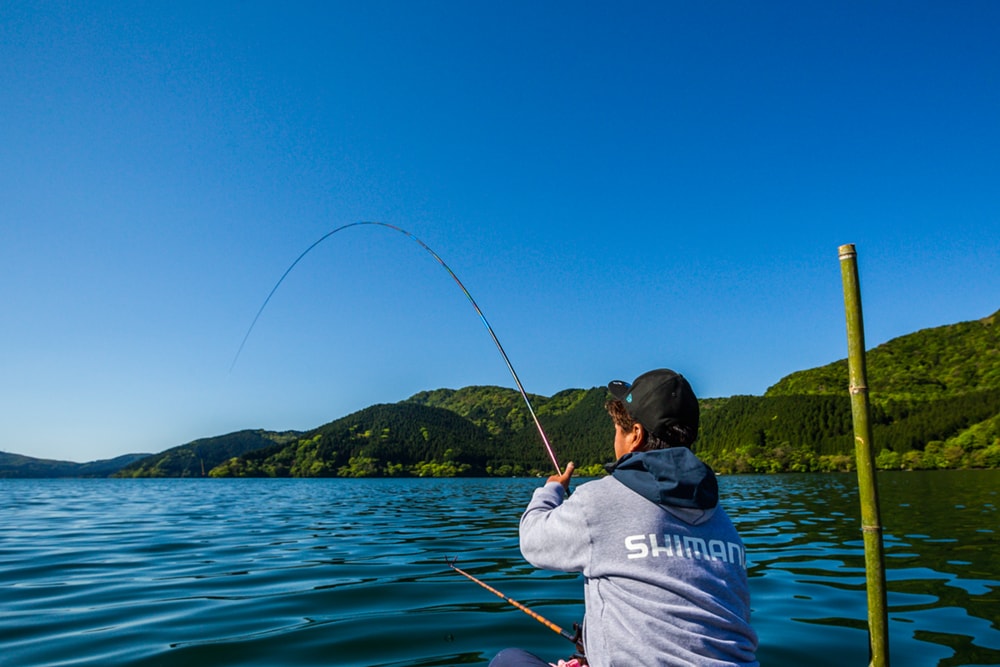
(935, 404)
(740, 434)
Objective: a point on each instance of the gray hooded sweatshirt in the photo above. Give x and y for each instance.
(665, 580)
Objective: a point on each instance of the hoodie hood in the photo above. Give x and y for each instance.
(671, 478)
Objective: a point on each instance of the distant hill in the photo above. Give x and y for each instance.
(382, 440)
(470, 431)
(935, 395)
(15, 465)
(196, 458)
(931, 363)
(935, 400)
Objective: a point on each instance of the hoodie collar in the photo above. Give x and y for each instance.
(672, 477)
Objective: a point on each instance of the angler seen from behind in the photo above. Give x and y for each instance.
(665, 579)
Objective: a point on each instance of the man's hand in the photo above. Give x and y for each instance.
(564, 477)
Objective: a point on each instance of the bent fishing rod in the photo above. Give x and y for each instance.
(510, 366)
(571, 636)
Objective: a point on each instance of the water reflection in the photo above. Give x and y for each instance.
(803, 533)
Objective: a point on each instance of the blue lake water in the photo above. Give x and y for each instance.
(352, 572)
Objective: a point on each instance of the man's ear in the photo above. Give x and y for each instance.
(636, 437)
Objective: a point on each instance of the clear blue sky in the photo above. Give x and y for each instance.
(621, 186)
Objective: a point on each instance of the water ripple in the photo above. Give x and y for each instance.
(352, 572)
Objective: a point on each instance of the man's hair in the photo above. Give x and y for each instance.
(683, 436)
(619, 415)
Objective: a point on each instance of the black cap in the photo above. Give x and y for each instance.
(659, 400)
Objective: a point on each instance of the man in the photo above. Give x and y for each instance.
(665, 579)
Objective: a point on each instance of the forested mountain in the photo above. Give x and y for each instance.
(574, 421)
(196, 458)
(382, 440)
(418, 439)
(499, 410)
(935, 404)
(935, 398)
(931, 363)
(806, 433)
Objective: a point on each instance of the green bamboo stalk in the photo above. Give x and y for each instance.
(871, 525)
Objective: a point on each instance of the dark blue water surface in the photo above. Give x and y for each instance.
(352, 572)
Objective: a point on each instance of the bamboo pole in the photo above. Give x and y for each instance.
(871, 525)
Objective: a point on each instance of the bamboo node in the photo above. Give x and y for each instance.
(858, 389)
(871, 529)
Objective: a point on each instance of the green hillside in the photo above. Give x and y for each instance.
(574, 421)
(935, 404)
(382, 440)
(935, 395)
(196, 458)
(481, 432)
(579, 431)
(931, 363)
(501, 411)
(814, 433)
(935, 398)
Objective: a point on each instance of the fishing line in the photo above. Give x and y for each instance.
(447, 268)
